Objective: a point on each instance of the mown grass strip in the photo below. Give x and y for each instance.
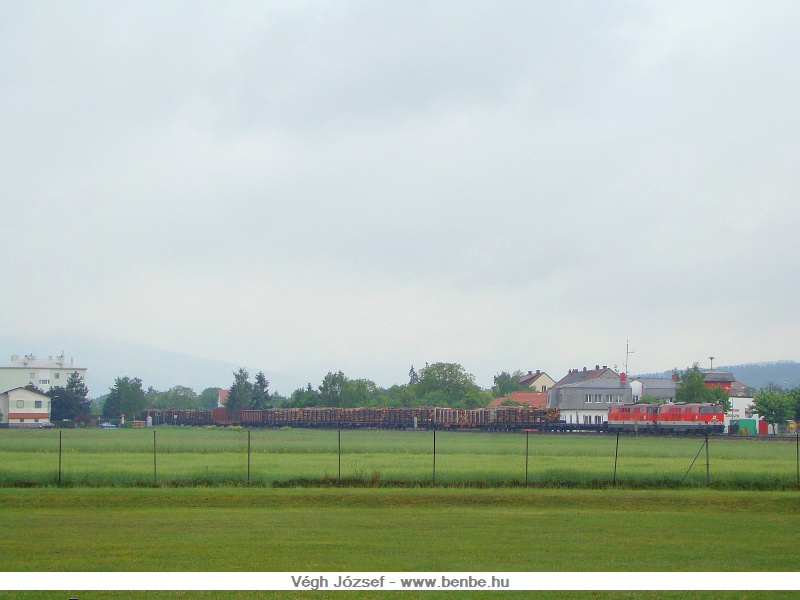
(396, 530)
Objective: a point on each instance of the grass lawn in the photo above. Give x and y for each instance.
(307, 530)
(192, 529)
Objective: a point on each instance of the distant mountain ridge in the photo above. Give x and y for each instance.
(783, 373)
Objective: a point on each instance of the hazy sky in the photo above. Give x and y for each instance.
(315, 186)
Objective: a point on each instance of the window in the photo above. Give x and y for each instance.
(45, 381)
(544, 388)
(598, 420)
(37, 404)
(36, 420)
(20, 404)
(22, 420)
(588, 397)
(598, 397)
(58, 375)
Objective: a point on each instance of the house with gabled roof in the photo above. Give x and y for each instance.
(537, 382)
(24, 407)
(585, 396)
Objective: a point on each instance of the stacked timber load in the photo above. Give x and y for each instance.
(324, 416)
(282, 417)
(476, 418)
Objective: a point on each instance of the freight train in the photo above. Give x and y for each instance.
(502, 418)
(667, 418)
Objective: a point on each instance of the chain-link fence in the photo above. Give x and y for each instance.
(194, 456)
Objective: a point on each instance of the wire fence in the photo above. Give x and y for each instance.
(187, 456)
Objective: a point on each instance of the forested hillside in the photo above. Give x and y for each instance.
(784, 373)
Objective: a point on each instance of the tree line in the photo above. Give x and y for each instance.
(438, 384)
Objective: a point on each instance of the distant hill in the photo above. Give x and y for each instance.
(783, 373)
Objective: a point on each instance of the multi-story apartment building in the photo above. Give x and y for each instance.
(44, 373)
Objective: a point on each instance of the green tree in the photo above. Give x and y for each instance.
(303, 398)
(774, 407)
(260, 397)
(692, 387)
(794, 399)
(359, 392)
(126, 397)
(450, 379)
(153, 398)
(506, 384)
(71, 402)
(241, 391)
(718, 395)
(330, 392)
(208, 398)
(402, 396)
(178, 397)
(413, 378)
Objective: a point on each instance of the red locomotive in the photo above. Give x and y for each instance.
(667, 418)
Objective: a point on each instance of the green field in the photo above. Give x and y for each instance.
(237, 529)
(184, 456)
(397, 529)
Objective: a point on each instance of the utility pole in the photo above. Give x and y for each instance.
(711, 358)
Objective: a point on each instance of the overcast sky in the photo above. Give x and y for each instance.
(313, 186)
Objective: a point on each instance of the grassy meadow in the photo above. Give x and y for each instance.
(367, 529)
(443, 529)
(185, 456)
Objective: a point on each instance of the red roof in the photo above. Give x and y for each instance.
(534, 399)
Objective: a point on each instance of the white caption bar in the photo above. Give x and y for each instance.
(399, 581)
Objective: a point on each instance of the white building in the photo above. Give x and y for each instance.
(44, 373)
(654, 387)
(22, 407)
(740, 409)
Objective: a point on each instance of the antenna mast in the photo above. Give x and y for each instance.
(628, 352)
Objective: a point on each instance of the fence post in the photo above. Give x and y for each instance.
(248, 456)
(59, 458)
(340, 456)
(708, 471)
(434, 456)
(616, 454)
(527, 433)
(797, 461)
(155, 476)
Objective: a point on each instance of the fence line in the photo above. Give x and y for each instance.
(397, 458)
